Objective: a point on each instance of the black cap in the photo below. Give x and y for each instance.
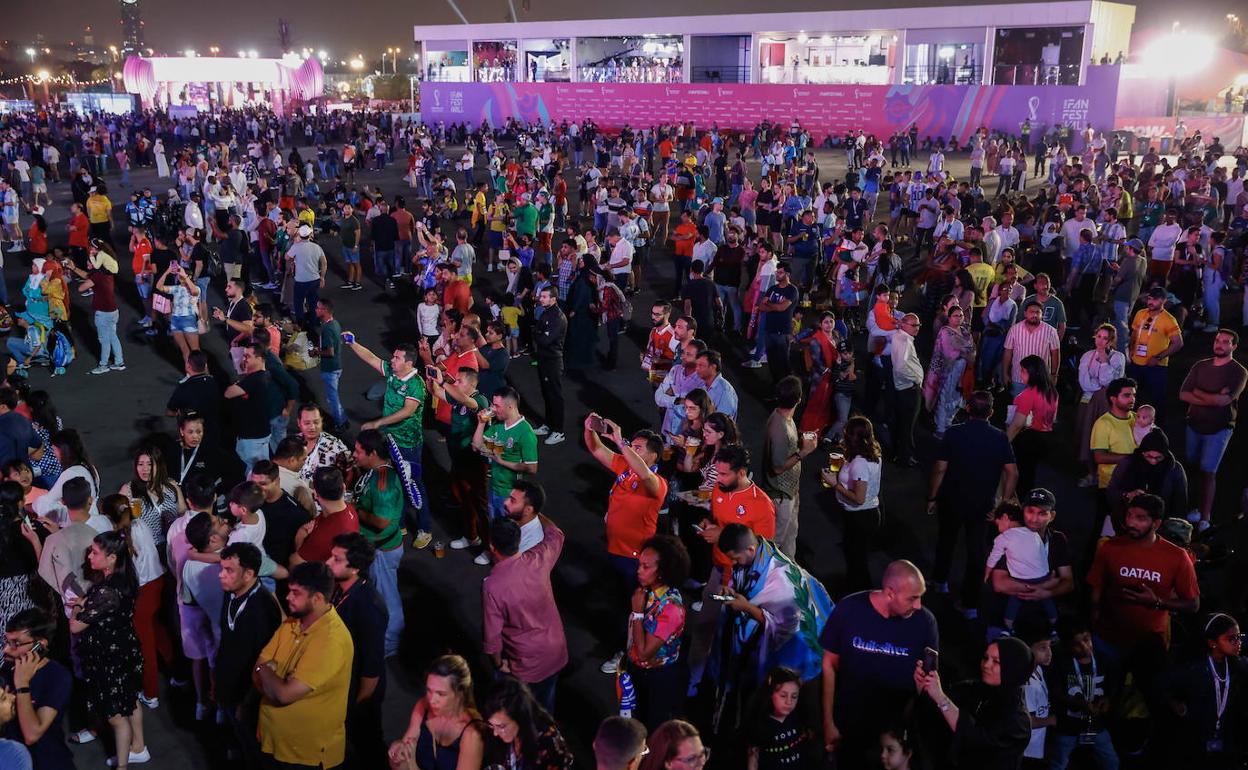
(1157, 292)
(1041, 498)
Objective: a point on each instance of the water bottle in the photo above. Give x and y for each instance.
(628, 694)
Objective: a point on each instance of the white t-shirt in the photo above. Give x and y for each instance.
(428, 318)
(146, 557)
(622, 251)
(23, 169)
(1036, 699)
(1026, 555)
(860, 469)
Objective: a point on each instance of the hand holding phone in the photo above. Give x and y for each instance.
(595, 423)
(931, 660)
(348, 338)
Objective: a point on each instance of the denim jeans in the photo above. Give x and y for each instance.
(1122, 314)
(496, 505)
(278, 427)
(385, 577)
(1061, 746)
(251, 451)
(729, 296)
(844, 404)
(306, 295)
(402, 255)
(110, 345)
(330, 379)
(424, 519)
(383, 264)
(1213, 298)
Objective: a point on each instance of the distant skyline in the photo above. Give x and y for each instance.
(371, 27)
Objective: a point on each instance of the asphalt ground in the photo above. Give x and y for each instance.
(117, 411)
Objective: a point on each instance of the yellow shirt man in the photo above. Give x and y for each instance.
(98, 208)
(478, 208)
(1111, 434)
(1151, 335)
(312, 730)
(981, 276)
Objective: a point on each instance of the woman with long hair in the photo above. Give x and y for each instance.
(675, 745)
(444, 732)
(21, 545)
(696, 406)
(526, 736)
(821, 406)
(953, 352)
(159, 497)
(154, 639)
(1031, 424)
(857, 488)
(697, 477)
(45, 421)
(72, 455)
(1098, 367)
(107, 646)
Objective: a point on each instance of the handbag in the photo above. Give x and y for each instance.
(162, 303)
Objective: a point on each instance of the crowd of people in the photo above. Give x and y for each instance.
(986, 346)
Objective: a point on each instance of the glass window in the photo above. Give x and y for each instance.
(1038, 56)
(640, 59)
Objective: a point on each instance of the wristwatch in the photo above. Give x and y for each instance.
(21, 690)
(637, 616)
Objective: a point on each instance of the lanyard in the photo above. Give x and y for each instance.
(187, 464)
(232, 617)
(1088, 689)
(1221, 691)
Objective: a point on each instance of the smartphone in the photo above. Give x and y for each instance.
(37, 649)
(931, 659)
(597, 424)
(431, 372)
(348, 337)
(722, 597)
(698, 528)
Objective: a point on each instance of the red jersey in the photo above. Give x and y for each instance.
(1121, 562)
(632, 513)
(458, 295)
(749, 506)
(78, 227)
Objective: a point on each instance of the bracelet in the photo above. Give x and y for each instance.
(948, 704)
(637, 616)
(22, 691)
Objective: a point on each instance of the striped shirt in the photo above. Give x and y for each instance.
(1025, 341)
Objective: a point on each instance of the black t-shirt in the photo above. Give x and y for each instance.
(282, 518)
(701, 294)
(781, 745)
(251, 410)
(50, 687)
(256, 618)
(976, 453)
(161, 259)
(780, 321)
(17, 437)
(728, 261)
(200, 394)
(366, 617)
(875, 676)
(240, 311)
(1059, 556)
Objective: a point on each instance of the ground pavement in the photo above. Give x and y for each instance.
(442, 596)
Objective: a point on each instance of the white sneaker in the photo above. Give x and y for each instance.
(460, 543)
(101, 369)
(135, 759)
(202, 710)
(751, 364)
(555, 438)
(82, 736)
(541, 430)
(151, 703)
(613, 665)
(482, 559)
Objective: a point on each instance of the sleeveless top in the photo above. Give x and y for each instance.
(430, 755)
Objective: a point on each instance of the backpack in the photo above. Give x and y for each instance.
(62, 347)
(212, 263)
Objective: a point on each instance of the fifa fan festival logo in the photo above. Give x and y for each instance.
(879, 648)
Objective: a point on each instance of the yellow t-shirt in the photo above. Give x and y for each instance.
(498, 217)
(511, 316)
(1020, 273)
(98, 209)
(478, 208)
(1151, 336)
(312, 730)
(981, 275)
(1111, 434)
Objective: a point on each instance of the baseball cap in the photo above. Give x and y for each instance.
(1136, 244)
(305, 231)
(1177, 531)
(717, 201)
(1041, 498)
(1156, 292)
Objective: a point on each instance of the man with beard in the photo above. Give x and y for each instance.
(304, 676)
(676, 385)
(1033, 337)
(1211, 391)
(659, 354)
(1137, 580)
(736, 499)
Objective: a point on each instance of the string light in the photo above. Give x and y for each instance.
(58, 80)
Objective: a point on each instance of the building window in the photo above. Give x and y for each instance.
(1031, 56)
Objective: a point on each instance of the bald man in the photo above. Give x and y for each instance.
(871, 643)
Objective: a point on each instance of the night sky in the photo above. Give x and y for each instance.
(371, 26)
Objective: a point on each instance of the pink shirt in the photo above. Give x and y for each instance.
(522, 622)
